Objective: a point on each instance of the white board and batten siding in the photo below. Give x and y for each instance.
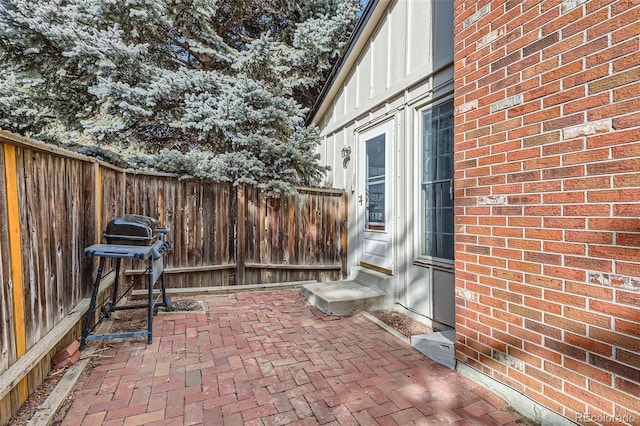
(402, 61)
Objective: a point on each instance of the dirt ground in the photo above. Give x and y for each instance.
(401, 323)
(30, 407)
(136, 320)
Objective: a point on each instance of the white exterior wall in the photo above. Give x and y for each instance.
(392, 76)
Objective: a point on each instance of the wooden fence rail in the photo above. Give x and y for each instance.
(53, 203)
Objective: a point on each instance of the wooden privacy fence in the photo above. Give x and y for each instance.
(54, 203)
(222, 235)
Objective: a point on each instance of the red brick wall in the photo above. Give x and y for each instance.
(547, 184)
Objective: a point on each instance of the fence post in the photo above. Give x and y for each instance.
(344, 224)
(241, 233)
(15, 259)
(98, 201)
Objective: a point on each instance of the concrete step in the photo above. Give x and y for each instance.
(343, 298)
(373, 279)
(439, 346)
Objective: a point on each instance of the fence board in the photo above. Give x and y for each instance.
(7, 338)
(113, 196)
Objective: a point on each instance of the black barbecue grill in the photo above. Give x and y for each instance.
(129, 237)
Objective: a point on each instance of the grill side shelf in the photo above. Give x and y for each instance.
(119, 251)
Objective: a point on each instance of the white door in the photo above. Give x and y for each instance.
(375, 200)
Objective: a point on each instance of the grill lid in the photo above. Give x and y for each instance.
(134, 230)
(151, 222)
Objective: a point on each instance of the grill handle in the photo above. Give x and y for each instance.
(160, 248)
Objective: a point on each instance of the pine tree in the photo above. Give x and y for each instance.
(206, 88)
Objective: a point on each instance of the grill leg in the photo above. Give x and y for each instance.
(166, 302)
(110, 307)
(92, 304)
(151, 303)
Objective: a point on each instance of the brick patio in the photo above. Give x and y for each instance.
(269, 358)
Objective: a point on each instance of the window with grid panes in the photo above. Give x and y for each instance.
(437, 181)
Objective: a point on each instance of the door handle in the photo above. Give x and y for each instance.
(360, 199)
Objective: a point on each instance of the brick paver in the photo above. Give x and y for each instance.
(269, 358)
